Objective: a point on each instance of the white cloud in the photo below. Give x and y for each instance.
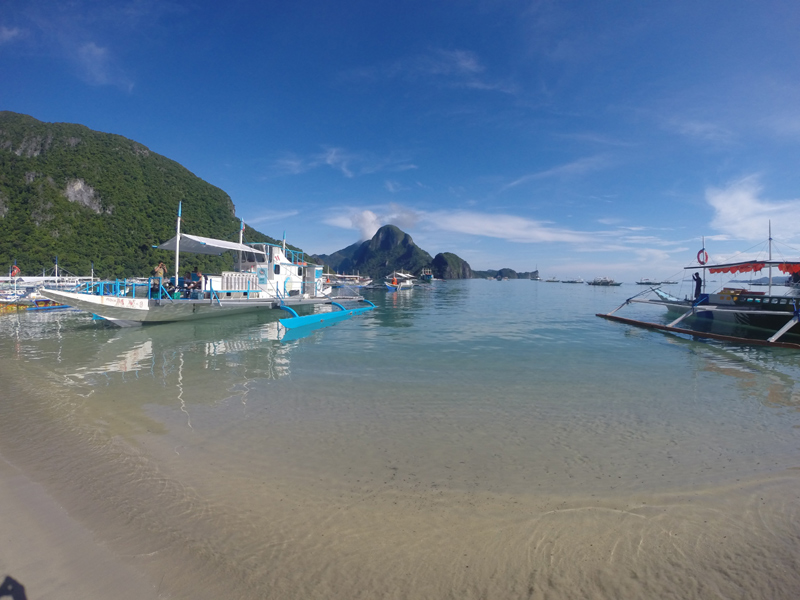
(98, 68)
(741, 213)
(507, 227)
(8, 35)
(368, 222)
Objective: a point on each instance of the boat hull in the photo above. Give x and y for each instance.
(737, 313)
(127, 312)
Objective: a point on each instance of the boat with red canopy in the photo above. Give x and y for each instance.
(776, 311)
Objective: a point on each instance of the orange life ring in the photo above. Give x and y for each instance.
(14, 271)
(702, 257)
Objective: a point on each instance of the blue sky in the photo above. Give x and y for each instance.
(586, 138)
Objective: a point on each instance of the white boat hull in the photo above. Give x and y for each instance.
(127, 312)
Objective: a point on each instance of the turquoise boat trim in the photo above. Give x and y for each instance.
(327, 318)
(290, 310)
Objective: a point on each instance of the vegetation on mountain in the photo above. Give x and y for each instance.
(88, 197)
(447, 265)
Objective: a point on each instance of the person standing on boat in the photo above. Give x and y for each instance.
(698, 284)
(160, 270)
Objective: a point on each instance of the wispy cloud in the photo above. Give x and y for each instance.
(271, 216)
(98, 67)
(573, 169)
(8, 35)
(450, 68)
(349, 164)
(704, 131)
(740, 212)
(507, 227)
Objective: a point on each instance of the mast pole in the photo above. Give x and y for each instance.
(241, 241)
(704, 267)
(770, 258)
(178, 242)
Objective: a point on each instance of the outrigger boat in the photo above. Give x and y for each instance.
(777, 313)
(266, 276)
(399, 281)
(337, 280)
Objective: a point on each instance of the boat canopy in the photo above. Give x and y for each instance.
(750, 266)
(203, 245)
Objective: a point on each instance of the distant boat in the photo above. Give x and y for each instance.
(604, 281)
(337, 280)
(535, 276)
(578, 280)
(426, 276)
(552, 280)
(399, 281)
(646, 281)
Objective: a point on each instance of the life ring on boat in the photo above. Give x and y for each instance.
(14, 271)
(702, 257)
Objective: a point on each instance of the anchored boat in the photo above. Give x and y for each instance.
(604, 281)
(267, 276)
(775, 311)
(399, 281)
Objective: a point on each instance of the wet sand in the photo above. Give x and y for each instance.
(51, 554)
(89, 518)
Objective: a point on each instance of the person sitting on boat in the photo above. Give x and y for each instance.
(189, 282)
(394, 280)
(698, 284)
(197, 279)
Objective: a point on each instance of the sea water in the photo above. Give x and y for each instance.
(466, 439)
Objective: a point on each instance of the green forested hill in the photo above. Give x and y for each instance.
(390, 249)
(86, 196)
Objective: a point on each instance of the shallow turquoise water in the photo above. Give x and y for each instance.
(513, 389)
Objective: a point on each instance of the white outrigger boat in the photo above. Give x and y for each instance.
(266, 276)
(776, 313)
(399, 281)
(339, 280)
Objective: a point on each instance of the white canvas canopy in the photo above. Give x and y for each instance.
(203, 245)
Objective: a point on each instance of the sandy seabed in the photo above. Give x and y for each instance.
(87, 514)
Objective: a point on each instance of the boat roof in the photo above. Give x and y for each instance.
(746, 266)
(202, 245)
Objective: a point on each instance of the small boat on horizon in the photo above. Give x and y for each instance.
(604, 281)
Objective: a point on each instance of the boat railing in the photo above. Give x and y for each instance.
(156, 288)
